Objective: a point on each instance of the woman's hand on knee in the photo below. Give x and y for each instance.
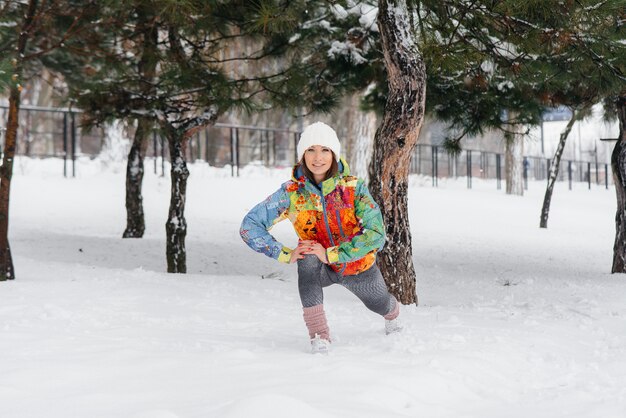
(297, 254)
(315, 248)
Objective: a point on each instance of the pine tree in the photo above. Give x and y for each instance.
(575, 49)
(194, 80)
(31, 31)
(538, 54)
(145, 36)
(480, 76)
(7, 271)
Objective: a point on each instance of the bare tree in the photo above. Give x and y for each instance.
(554, 170)
(42, 28)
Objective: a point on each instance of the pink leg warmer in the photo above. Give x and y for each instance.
(315, 320)
(393, 314)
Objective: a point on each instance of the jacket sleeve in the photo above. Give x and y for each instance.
(372, 236)
(261, 218)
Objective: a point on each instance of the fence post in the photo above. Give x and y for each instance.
(237, 149)
(483, 165)
(589, 175)
(606, 176)
(191, 149)
(232, 152)
(73, 138)
(64, 144)
(162, 141)
(456, 166)
(274, 148)
(206, 144)
(268, 147)
(569, 174)
(597, 174)
(548, 170)
(469, 169)
(419, 159)
(498, 172)
(198, 147)
(525, 172)
(450, 165)
(295, 148)
(156, 150)
(432, 165)
(437, 166)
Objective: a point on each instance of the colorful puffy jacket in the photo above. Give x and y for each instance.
(340, 214)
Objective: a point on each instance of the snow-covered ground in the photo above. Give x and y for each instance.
(513, 321)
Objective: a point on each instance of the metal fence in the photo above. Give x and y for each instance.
(435, 162)
(57, 132)
(54, 132)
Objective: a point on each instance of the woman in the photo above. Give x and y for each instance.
(340, 229)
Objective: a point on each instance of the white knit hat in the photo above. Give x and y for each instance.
(319, 133)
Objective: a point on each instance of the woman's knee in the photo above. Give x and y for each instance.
(380, 305)
(310, 263)
(371, 289)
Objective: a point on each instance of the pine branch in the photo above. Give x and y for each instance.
(68, 34)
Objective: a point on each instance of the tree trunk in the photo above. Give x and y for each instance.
(7, 272)
(618, 165)
(394, 142)
(176, 226)
(135, 221)
(554, 171)
(514, 160)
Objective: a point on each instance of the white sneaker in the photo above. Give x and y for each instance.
(392, 326)
(320, 345)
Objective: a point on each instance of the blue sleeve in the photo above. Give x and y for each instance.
(261, 218)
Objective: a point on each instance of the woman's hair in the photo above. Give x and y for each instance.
(334, 169)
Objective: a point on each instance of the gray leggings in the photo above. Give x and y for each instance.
(369, 286)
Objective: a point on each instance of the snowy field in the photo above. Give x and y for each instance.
(513, 321)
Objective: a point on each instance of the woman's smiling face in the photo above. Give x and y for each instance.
(318, 160)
